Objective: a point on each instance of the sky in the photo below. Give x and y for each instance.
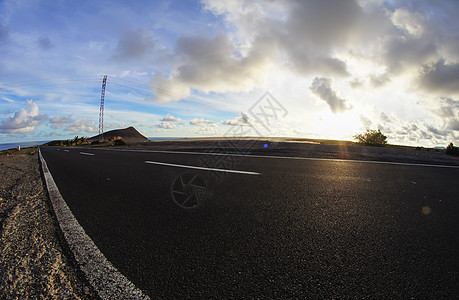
(332, 68)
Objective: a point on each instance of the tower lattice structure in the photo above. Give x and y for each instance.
(101, 112)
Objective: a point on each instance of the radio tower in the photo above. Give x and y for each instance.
(101, 113)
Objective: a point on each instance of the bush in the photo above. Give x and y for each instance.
(120, 142)
(452, 150)
(372, 138)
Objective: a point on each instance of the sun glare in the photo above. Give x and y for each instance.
(338, 126)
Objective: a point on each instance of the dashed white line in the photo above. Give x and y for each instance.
(66, 151)
(202, 168)
(291, 157)
(86, 153)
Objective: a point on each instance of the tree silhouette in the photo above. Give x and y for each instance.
(452, 150)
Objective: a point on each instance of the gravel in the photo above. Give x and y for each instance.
(34, 261)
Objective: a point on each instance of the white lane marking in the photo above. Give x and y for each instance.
(292, 157)
(101, 274)
(86, 153)
(66, 151)
(202, 168)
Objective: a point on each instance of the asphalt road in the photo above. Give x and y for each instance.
(286, 228)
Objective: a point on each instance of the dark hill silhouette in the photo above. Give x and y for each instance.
(130, 135)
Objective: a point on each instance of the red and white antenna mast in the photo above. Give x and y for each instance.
(101, 113)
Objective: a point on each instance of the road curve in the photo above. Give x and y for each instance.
(279, 228)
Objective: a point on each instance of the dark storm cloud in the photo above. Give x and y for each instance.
(440, 78)
(210, 64)
(405, 52)
(306, 34)
(448, 110)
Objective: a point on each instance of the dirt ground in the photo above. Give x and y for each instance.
(34, 263)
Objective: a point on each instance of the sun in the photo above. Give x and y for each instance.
(341, 126)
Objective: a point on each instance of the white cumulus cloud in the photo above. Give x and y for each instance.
(202, 122)
(166, 125)
(59, 121)
(24, 120)
(241, 120)
(170, 118)
(82, 125)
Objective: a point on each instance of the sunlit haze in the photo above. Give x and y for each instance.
(195, 68)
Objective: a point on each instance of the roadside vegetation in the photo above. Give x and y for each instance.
(452, 150)
(371, 138)
(83, 141)
(116, 141)
(76, 141)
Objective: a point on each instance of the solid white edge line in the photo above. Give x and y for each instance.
(202, 168)
(101, 274)
(290, 157)
(86, 153)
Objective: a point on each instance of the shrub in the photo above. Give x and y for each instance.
(119, 142)
(372, 138)
(452, 150)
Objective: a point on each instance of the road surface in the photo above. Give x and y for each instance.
(273, 227)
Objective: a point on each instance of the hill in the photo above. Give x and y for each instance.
(130, 135)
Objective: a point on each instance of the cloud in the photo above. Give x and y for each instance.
(440, 78)
(3, 32)
(406, 53)
(58, 121)
(45, 43)
(448, 110)
(356, 83)
(135, 44)
(24, 120)
(437, 131)
(322, 87)
(116, 125)
(308, 34)
(242, 120)
(453, 125)
(379, 80)
(385, 118)
(304, 37)
(166, 125)
(209, 64)
(82, 125)
(169, 89)
(202, 122)
(367, 124)
(7, 99)
(412, 23)
(170, 118)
